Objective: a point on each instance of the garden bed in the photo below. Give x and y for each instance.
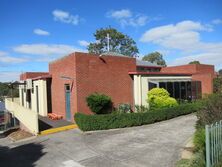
(122, 120)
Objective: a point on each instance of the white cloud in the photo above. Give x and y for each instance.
(6, 58)
(126, 18)
(83, 43)
(65, 17)
(205, 58)
(46, 49)
(120, 14)
(9, 76)
(217, 21)
(39, 31)
(185, 37)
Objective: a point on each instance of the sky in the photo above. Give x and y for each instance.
(35, 32)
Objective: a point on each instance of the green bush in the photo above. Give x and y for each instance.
(99, 103)
(124, 108)
(112, 121)
(199, 139)
(160, 98)
(198, 159)
(217, 85)
(210, 111)
(141, 108)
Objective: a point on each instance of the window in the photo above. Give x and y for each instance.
(177, 90)
(170, 88)
(152, 85)
(22, 96)
(189, 94)
(183, 90)
(162, 85)
(67, 87)
(28, 98)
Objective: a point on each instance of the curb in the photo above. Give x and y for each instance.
(59, 129)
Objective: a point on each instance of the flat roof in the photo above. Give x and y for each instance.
(42, 77)
(159, 73)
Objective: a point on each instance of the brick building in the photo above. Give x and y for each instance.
(63, 90)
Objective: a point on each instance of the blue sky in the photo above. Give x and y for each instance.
(32, 33)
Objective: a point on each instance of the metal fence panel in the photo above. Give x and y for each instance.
(213, 144)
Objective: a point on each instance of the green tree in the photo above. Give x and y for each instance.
(217, 85)
(155, 57)
(6, 90)
(118, 42)
(220, 72)
(194, 62)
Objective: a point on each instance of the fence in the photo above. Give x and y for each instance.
(213, 144)
(7, 122)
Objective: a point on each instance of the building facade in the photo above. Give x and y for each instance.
(63, 90)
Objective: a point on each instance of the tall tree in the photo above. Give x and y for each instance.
(155, 57)
(220, 72)
(217, 85)
(118, 42)
(5, 91)
(194, 62)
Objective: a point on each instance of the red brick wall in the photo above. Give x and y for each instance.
(200, 72)
(106, 74)
(63, 67)
(206, 82)
(91, 73)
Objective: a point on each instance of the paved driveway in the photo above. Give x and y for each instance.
(156, 145)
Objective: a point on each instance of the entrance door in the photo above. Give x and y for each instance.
(67, 96)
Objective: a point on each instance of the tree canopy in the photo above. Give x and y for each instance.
(118, 42)
(220, 72)
(155, 57)
(5, 90)
(217, 85)
(194, 62)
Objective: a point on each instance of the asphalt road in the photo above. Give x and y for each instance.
(155, 145)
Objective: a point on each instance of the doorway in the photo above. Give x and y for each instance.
(67, 101)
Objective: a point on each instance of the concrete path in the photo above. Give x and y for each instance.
(156, 145)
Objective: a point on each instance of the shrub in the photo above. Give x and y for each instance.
(198, 160)
(199, 139)
(217, 85)
(211, 110)
(141, 108)
(160, 98)
(124, 108)
(113, 120)
(99, 103)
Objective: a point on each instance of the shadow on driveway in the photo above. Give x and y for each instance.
(20, 156)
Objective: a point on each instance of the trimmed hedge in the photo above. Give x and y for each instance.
(112, 121)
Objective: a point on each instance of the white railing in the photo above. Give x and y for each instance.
(27, 117)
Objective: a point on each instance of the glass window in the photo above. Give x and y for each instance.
(183, 90)
(177, 90)
(170, 88)
(162, 85)
(152, 85)
(189, 93)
